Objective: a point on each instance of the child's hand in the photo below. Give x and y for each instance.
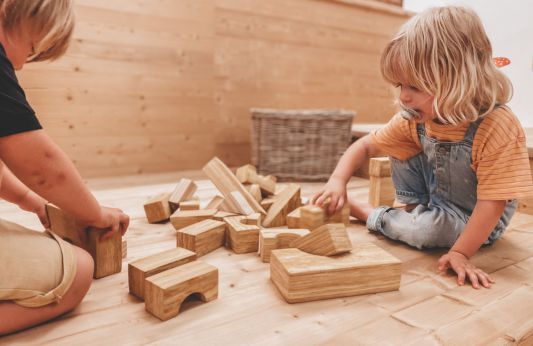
(336, 190)
(114, 219)
(460, 264)
(34, 203)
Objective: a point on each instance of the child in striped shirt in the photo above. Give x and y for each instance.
(458, 154)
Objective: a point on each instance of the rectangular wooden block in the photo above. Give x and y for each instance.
(214, 202)
(143, 268)
(241, 238)
(166, 291)
(106, 253)
(202, 237)
(183, 191)
(302, 277)
(238, 199)
(184, 218)
(327, 240)
(379, 167)
(221, 215)
(272, 239)
(294, 217)
(157, 208)
(285, 202)
(381, 191)
(190, 205)
(226, 182)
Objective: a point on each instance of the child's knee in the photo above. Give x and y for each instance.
(84, 276)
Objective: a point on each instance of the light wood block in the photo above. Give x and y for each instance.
(294, 217)
(124, 249)
(143, 268)
(157, 208)
(255, 191)
(286, 201)
(238, 199)
(302, 277)
(266, 203)
(226, 182)
(214, 202)
(248, 175)
(166, 291)
(252, 219)
(382, 190)
(190, 205)
(313, 216)
(327, 240)
(241, 238)
(106, 253)
(272, 239)
(202, 237)
(220, 215)
(183, 191)
(184, 218)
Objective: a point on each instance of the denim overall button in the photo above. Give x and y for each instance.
(442, 150)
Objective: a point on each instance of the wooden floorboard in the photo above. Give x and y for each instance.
(429, 308)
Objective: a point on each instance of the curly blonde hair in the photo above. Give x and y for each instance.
(445, 52)
(51, 19)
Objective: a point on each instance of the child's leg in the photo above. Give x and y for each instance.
(14, 317)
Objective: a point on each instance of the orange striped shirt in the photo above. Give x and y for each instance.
(499, 152)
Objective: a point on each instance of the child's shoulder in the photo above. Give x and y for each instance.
(502, 122)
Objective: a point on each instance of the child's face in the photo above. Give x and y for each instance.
(19, 47)
(418, 101)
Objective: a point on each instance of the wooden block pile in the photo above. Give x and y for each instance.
(106, 253)
(166, 279)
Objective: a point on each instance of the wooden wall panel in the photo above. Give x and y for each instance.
(161, 85)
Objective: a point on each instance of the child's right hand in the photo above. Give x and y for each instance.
(114, 219)
(335, 189)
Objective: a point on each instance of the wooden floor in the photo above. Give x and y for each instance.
(429, 309)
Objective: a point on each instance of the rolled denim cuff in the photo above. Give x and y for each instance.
(407, 197)
(373, 223)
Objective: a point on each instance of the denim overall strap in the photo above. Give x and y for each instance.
(471, 131)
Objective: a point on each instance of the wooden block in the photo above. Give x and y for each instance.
(220, 215)
(294, 217)
(266, 203)
(106, 253)
(124, 249)
(214, 202)
(241, 238)
(166, 291)
(157, 208)
(302, 277)
(143, 268)
(252, 219)
(248, 175)
(190, 205)
(255, 191)
(226, 182)
(183, 191)
(312, 216)
(327, 240)
(272, 239)
(238, 199)
(381, 191)
(202, 237)
(184, 218)
(286, 201)
(379, 167)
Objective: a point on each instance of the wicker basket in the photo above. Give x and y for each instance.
(299, 144)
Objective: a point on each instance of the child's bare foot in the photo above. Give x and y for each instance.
(359, 210)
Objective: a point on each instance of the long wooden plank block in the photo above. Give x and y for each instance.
(184, 218)
(202, 237)
(226, 182)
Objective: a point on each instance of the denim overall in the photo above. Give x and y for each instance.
(441, 181)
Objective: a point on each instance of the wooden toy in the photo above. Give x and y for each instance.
(143, 268)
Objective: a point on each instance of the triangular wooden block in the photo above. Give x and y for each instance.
(302, 277)
(327, 240)
(202, 237)
(285, 202)
(183, 191)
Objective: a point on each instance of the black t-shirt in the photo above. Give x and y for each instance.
(16, 114)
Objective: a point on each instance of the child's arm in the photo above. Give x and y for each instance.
(42, 166)
(483, 220)
(14, 191)
(351, 160)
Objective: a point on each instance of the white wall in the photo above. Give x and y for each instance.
(510, 29)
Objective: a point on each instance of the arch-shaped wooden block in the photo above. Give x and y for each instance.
(242, 237)
(271, 239)
(165, 292)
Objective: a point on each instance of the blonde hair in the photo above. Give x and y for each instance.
(445, 52)
(51, 19)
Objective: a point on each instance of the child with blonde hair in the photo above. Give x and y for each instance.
(458, 154)
(41, 276)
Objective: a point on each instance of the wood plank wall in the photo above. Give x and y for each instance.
(160, 85)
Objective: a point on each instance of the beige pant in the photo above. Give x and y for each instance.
(36, 268)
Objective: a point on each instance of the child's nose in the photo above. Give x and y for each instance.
(405, 95)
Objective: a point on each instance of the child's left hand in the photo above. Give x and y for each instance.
(460, 264)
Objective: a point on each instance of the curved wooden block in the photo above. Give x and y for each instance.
(271, 239)
(166, 291)
(241, 237)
